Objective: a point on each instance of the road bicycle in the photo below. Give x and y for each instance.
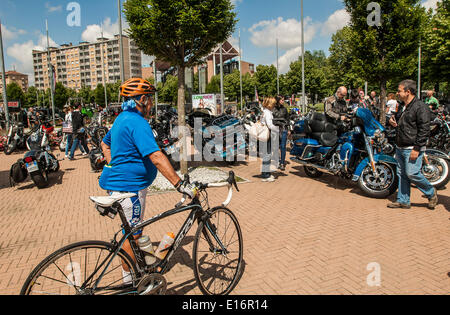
(95, 267)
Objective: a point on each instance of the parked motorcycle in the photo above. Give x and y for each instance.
(440, 133)
(222, 136)
(165, 138)
(96, 134)
(15, 138)
(350, 155)
(39, 161)
(435, 164)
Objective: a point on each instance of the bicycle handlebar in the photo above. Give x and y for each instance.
(231, 181)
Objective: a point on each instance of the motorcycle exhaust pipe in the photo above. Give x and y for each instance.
(320, 168)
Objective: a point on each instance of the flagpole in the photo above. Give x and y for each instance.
(103, 70)
(155, 72)
(278, 76)
(303, 64)
(222, 97)
(5, 97)
(50, 67)
(240, 65)
(122, 63)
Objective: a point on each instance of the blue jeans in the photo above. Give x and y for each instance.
(410, 173)
(283, 142)
(69, 138)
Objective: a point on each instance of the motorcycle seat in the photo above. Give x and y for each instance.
(108, 201)
(322, 126)
(325, 138)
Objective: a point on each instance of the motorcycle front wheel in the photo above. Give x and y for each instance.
(381, 186)
(436, 171)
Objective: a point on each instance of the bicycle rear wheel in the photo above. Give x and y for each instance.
(85, 268)
(218, 253)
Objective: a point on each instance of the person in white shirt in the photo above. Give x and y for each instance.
(391, 105)
(273, 143)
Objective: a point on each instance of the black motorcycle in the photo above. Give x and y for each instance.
(15, 139)
(440, 132)
(163, 130)
(39, 161)
(96, 134)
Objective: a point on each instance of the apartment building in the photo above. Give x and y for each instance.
(14, 76)
(86, 64)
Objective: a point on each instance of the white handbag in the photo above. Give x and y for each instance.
(259, 131)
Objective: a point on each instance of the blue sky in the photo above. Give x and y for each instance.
(260, 23)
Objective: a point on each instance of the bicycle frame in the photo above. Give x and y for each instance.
(197, 213)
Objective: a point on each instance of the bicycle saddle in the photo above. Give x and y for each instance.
(107, 201)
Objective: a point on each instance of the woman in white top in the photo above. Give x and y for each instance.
(270, 155)
(392, 104)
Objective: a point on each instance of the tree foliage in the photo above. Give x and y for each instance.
(390, 51)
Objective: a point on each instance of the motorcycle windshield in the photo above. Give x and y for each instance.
(371, 125)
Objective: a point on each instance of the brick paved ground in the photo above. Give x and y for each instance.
(301, 236)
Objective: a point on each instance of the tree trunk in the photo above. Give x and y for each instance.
(182, 120)
(383, 101)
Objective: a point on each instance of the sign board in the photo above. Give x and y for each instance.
(210, 101)
(14, 104)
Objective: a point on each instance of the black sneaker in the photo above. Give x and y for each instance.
(398, 205)
(282, 167)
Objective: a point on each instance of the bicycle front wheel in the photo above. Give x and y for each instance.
(218, 253)
(85, 268)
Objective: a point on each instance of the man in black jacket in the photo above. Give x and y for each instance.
(413, 129)
(79, 132)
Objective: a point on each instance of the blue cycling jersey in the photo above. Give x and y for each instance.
(131, 141)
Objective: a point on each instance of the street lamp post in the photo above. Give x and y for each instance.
(5, 98)
(303, 64)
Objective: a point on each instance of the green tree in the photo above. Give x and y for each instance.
(31, 97)
(169, 90)
(213, 86)
(316, 76)
(180, 32)
(389, 51)
(99, 95)
(436, 46)
(345, 70)
(266, 80)
(61, 95)
(14, 93)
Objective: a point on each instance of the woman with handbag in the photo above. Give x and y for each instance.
(270, 147)
(68, 129)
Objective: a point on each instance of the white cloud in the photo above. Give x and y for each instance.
(288, 32)
(12, 33)
(335, 22)
(51, 9)
(92, 32)
(430, 4)
(285, 60)
(235, 2)
(23, 54)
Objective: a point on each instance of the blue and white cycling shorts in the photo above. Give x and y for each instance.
(133, 207)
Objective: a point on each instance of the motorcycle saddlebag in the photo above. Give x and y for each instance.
(18, 173)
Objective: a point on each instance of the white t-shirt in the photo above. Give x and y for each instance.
(391, 106)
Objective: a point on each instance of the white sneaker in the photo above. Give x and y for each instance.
(269, 179)
(84, 154)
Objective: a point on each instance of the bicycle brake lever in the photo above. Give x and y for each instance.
(232, 180)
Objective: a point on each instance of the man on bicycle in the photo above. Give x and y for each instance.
(134, 158)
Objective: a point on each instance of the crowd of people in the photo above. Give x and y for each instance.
(406, 112)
